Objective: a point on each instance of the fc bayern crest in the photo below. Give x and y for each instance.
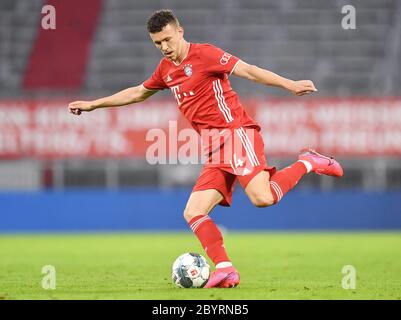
(188, 70)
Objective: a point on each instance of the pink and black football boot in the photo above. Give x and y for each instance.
(320, 163)
(223, 278)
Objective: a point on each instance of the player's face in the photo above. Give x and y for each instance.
(169, 41)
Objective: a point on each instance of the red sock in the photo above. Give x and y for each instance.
(284, 180)
(210, 237)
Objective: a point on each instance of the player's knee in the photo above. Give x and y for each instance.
(189, 214)
(262, 200)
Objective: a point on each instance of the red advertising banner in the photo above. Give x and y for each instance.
(340, 127)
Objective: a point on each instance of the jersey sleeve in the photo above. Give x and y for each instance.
(219, 61)
(155, 82)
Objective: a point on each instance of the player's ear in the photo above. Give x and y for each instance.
(180, 31)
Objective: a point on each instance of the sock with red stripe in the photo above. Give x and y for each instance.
(211, 239)
(284, 180)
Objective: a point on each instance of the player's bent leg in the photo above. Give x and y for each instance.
(265, 190)
(201, 203)
(258, 190)
(264, 185)
(196, 213)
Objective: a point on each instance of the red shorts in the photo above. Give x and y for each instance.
(240, 157)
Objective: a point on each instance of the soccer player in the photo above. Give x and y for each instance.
(197, 75)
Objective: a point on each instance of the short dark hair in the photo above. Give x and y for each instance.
(160, 19)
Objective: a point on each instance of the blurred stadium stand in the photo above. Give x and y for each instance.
(298, 39)
(17, 34)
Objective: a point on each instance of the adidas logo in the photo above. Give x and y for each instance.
(169, 78)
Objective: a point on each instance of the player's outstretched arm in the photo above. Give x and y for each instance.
(259, 75)
(122, 98)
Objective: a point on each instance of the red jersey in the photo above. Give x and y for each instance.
(201, 87)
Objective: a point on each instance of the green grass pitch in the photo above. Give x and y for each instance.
(138, 265)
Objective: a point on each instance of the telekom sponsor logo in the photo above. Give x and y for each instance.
(180, 95)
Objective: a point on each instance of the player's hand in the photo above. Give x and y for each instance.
(77, 107)
(302, 87)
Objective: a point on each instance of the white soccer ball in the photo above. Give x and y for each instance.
(190, 270)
